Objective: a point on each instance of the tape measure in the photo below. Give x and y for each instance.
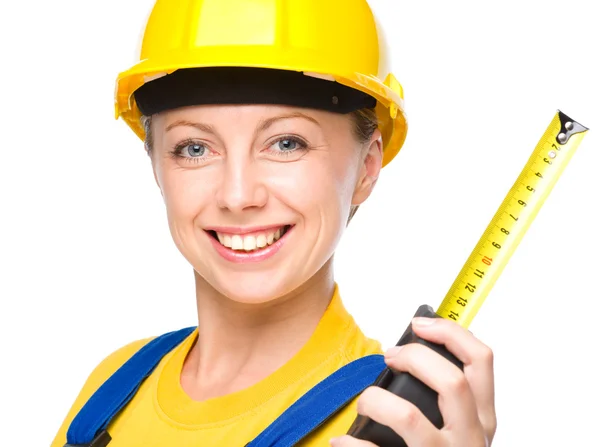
(511, 221)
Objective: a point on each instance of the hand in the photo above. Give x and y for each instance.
(466, 400)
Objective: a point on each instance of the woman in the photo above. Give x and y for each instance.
(267, 127)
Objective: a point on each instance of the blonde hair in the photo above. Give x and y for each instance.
(364, 121)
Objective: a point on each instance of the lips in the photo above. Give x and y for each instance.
(250, 241)
(242, 245)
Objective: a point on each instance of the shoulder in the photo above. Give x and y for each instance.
(111, 363)
(96, 378)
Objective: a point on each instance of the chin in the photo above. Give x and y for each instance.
(255, 288)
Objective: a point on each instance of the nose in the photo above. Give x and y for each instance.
(242, 186)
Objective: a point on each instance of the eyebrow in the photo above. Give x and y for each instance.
(264, 125)
(200, 126)
(269, 122)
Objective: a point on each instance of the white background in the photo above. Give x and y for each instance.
(87, 262)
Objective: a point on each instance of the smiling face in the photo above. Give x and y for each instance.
(258, 196)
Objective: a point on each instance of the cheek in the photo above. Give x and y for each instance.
(320, 190)
(332, 183)
(185, 195)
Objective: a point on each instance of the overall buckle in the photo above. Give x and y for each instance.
(101, 440)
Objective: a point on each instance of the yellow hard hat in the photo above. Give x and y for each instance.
(334, 40)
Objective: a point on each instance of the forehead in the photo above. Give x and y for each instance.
(257, 115)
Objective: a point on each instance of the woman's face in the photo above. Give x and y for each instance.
(258, 196)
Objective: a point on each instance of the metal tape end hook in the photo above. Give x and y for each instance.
(568, 127)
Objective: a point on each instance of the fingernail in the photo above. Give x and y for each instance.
(393, 351)
(423, 321)
(333, 441)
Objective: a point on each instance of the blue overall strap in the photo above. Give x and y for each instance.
(321, 402)
(120, 388)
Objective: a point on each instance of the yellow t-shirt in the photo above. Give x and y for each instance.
(161, 414)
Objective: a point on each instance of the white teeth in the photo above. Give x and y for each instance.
(261, 241)
(236, 242)
(249, 243)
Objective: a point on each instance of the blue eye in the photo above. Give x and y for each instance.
(195, 150)
(190, 151)
(287, 145)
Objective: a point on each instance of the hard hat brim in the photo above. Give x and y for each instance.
(389, 94)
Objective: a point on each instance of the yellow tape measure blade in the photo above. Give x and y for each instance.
(511, 221)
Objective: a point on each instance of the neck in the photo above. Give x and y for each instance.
(240, 344)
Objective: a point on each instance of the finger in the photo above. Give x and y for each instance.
(349, 441)
(456, 400)
(400, 415)
(462, 343)
(477, 357)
